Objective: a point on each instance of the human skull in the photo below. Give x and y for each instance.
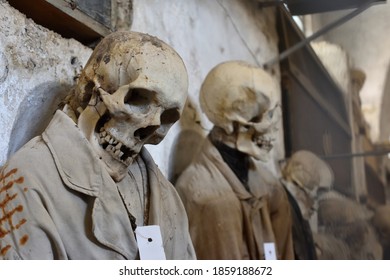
(136, 87)
(241, 99)
(305, 173)
(307, 170)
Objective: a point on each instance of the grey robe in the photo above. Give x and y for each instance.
(57, 201)
(227, 221)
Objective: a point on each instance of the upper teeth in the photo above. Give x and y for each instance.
(116, 148)
(264, 143)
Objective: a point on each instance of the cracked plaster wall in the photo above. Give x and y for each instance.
(37, 65)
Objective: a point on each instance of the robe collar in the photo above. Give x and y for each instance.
(81, 170)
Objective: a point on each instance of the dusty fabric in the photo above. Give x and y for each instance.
(133, 190)
(226, 220)
(381, 222)
(329, 247)
(304, 246)
(349, 221)
(58, 202)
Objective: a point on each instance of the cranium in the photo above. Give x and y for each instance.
(131, 91)
(240, 99)
(308, 171)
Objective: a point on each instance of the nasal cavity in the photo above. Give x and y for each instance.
(145, 132)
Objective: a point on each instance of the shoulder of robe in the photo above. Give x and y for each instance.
(31, 163)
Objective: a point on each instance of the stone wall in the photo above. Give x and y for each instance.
(37, 67)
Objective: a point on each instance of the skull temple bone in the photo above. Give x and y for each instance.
(131, 91)
(241, 100)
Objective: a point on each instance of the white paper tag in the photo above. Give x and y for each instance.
(270, 251)
(150, 243)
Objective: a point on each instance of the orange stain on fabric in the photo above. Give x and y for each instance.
(13, 171)
(7, 210)
(23, 240)
(4, 250)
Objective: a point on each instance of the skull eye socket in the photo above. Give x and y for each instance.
(255, 119)
(169, 116)
(138, 97)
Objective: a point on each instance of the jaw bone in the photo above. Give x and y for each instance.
(116, 148)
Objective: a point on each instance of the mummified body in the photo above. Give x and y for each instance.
(327, 224)
(344, 219)
(304, 174)
(234, 206)
(80, 189)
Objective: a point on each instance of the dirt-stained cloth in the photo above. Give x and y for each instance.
(226, 220)
(58, 202)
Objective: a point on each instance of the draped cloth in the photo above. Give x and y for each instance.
(226, 220)
(59, 202)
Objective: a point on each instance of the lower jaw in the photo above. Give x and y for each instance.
(261, 153)
(111, 149)
(126, 162)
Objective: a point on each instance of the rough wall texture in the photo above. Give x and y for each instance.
(37, 65)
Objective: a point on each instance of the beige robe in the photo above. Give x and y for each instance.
(227, 221)
(58, 202)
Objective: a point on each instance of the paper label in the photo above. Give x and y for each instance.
(150, 243)
(270, 251)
